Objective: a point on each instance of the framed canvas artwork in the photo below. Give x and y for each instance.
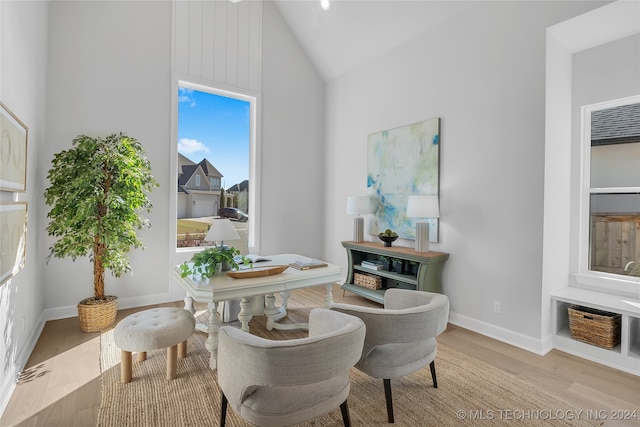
(13, 238)
(401, 162)
(13, 152)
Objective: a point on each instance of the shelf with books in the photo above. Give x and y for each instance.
(371, 267)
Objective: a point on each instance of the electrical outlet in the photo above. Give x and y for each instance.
(496, 307)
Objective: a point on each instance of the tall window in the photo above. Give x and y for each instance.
(215, 135)
(611, 182)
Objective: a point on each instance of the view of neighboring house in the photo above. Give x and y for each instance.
(199, 188)
(615, 222)
(200, 191)
(241, 193)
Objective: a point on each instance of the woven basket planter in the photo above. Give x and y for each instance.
(595, 327)
(97, 315)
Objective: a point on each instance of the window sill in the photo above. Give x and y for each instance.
(609, 284)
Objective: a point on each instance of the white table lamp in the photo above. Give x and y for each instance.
(221, 230)
(423, 207)
(358, 205)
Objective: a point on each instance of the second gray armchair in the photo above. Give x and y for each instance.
(401, 337)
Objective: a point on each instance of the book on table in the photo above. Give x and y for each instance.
(307, 263)
(251, 257)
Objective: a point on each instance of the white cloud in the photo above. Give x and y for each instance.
(191, 146)
(184, 95)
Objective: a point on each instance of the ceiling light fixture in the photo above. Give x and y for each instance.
(325, 4)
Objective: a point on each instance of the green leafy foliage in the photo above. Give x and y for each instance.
(205, 263)
(98, 193)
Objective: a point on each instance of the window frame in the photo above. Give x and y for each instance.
(606, 282)
(254, 155)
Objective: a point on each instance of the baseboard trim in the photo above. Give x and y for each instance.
(525, 342)
(123, 303)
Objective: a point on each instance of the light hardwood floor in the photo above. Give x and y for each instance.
(60, 385)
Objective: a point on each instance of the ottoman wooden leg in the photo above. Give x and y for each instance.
(125, 366)
(142, 356)
(182, 349)
(172, 361)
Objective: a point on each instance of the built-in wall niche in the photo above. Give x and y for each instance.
(612, 22)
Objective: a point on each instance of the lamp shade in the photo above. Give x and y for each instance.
(222, 229)
(423, 207)
(358, 205)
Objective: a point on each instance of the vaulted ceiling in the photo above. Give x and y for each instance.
(353, 32)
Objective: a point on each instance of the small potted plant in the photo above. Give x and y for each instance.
(397, 265)
(411, 267)
(98, 191)
(210, 261)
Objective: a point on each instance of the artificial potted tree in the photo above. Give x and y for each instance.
(98, 194)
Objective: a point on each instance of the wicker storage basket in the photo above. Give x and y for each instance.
(97, 315)
(367, 280)
(594, 327)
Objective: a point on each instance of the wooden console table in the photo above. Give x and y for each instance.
(427, 277)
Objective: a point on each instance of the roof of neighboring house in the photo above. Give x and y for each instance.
(185, 176)
(182, 161)
(187, 173)
(616, 125)
(209, 169)
(187, 168)
(243, 186)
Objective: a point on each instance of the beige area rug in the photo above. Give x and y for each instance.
(470, 392)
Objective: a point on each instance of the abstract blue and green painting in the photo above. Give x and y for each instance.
(401, 162)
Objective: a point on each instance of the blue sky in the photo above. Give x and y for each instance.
(216, 128)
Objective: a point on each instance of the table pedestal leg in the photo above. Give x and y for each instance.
(270, 310)
(285, 303)
(328, 297)
(188, 304)
(211, 343)
(274, 313)
(245, 312)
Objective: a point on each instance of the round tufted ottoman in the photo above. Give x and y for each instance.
(165, 327)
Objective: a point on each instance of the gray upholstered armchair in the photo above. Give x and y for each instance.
(279, 383)
(401, 337)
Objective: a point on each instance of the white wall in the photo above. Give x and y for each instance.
(219, 41)
(23, 62)
(485, 78)
(293, 155)
(109, 71)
